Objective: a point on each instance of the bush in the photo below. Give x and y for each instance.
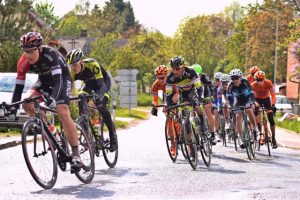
(291, 124)
(144, 99)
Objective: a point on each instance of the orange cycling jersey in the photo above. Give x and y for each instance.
(250, 78)
(156, 86)
(262, 91)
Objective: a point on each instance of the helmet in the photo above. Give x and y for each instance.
(161, 70)
(74, 56)
(217, 75)
(254, 69)
(31, 39)
(260, 75)
(225, 78)
(235, 72)
(197, 68)
(176, 61)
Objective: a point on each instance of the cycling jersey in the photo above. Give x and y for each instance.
(187, 82)
(53, 75)
(94, 77)
(250, 78)
(264, 90)
(241, 95)
(221, 97)
(205, 80)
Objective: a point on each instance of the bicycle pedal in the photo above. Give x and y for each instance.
(75, 169)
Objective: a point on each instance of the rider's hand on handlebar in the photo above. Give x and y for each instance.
(51, 103)
(154, 111)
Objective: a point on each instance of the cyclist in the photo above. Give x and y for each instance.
(215, 87)
(240, 93)
(54, 79)
(186, 80)
(263, 89)
(250, 76)
(161, 73)
(205, 95)
(95, 79)
(222, 101)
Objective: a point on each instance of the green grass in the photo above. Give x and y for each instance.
(124, 112)
(5, 131)
(290, 124)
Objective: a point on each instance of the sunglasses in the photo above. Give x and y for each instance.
(160, 78)
(235, 78)
(259, 79)
(29, 51)
(176, 68)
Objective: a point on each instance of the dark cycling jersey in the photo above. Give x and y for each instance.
(205, 80)
(53, 75)
(240, 95)
(94, 77)
(185, 84)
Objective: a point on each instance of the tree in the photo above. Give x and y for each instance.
(46, 11)
(13, 23)
(70, 25)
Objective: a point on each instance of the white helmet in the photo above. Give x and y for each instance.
(225, 78)
(217, 75)
(235, 72)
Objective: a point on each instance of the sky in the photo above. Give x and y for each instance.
(162, 15)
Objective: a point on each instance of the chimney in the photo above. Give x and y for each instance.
(83, 33)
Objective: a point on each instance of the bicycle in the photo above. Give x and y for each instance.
(174, 135)
(232, 134)
(38, 142)
(248, 135)
(265, 135)
(99, 136)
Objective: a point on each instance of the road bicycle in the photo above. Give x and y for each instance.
(265, 135)
(97, 132)
(248, 135)
(43, 152)
(173, 133)
(232, 135)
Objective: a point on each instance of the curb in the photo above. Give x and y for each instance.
(9, 144)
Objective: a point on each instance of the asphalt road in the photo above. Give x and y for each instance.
(145, 171)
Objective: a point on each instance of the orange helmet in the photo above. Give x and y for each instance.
(161, 70)
(260, 75)
(254, 69)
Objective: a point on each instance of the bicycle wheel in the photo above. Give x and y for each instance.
(223, 131)
(87, 172)
(247, 141)
(110, 157)
(171, 139)
(39, 155)
(268, 136)
(190, 143)
(205, 147)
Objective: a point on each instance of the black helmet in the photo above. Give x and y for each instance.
(74, 56)
(31, 39)
(176, 61)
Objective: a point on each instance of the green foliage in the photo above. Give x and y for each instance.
(104, 49)
(46, 11)
(124, 112)
(144, 99)
(9, 54)
(70, 25)
(291, 124)
(10, 130)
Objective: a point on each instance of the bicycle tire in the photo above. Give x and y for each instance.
(247, 143)
(223, 131)
(190, 144)
(179, 138)
(205, 148)
(87, 172)
(41, 142)
(268, 139)
(110, 158)
(169, 139)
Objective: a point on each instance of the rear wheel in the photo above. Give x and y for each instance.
(110, 157)
(39, 155)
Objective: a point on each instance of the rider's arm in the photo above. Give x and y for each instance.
(251, 93)
(229, 94)
(219, 98)
(154, 90)
(99, 80)
(22, 68)
(272, 92)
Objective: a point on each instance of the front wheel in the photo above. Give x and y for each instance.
(190, 143)
(110, 157)
(87, 172)
(171, 139)
(39, 155)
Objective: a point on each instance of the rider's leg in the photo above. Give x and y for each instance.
(272, 126)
